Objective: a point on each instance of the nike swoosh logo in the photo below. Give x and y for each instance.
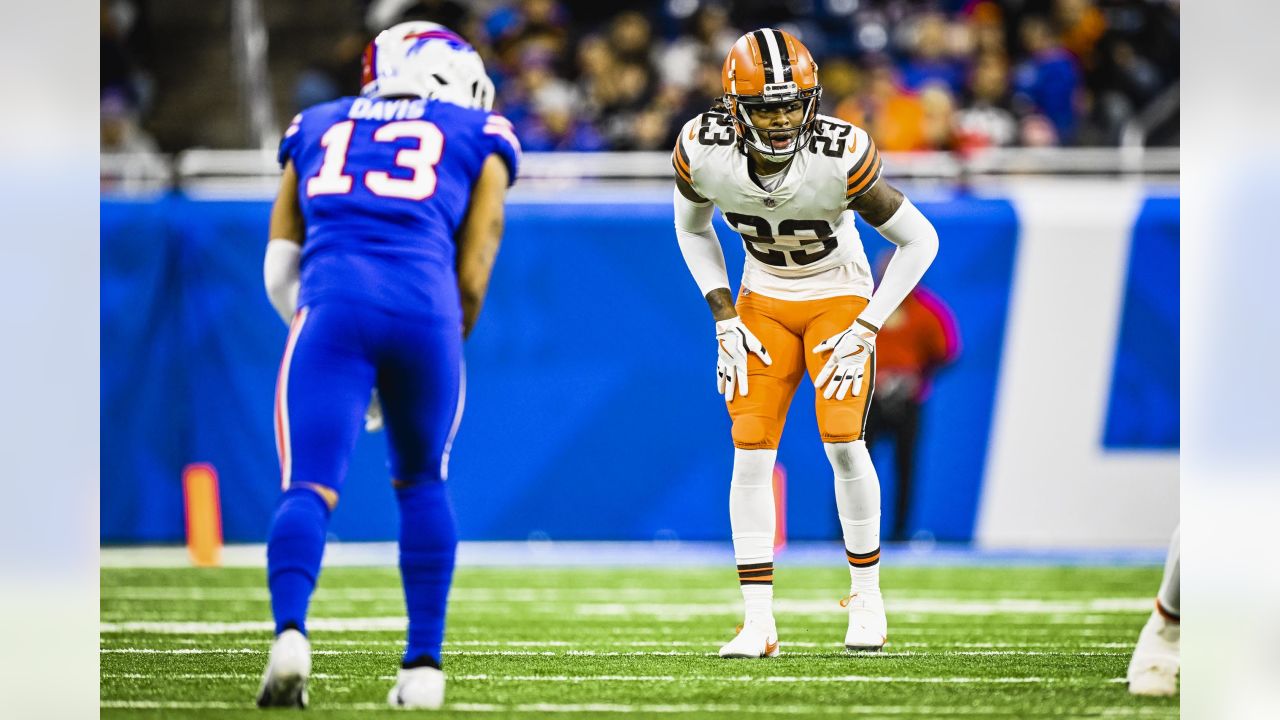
(770, 647)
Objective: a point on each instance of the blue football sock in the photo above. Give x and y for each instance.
(294, 549)
(428, 543)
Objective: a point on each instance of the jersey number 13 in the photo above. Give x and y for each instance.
(333, 180)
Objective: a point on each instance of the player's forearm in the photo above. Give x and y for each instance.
(475, 268)
(703, 256)
(479, 238)
(917, 242)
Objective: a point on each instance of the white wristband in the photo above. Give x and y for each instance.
(280, 275)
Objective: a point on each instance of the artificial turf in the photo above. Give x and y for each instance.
(1005, 642)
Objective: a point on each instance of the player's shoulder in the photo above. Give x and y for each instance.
(848, 150)
(838, 139)
(327, 110)
(702, 139)
(708, 130)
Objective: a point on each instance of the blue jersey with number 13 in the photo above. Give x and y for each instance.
(383, 185)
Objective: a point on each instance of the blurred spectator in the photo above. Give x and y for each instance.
(553, 125)
(332, 77)
(938, 122)
(120, 72)
(1048, 81)
(930, 61)
(121, 132)
(995, 72)
(1081, 25)
(708, 41)
(894, 117)
(918, 340)
(382, 14)
(535, 79)
(987, 119)
(631, 38)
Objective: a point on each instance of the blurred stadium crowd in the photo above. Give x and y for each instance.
(584, 75)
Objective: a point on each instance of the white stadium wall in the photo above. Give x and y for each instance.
(1049, 480)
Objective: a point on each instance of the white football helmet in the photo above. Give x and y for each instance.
(426, 60)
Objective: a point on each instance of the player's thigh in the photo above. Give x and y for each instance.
(759, 416)
(838, 420)
(321, 394)
(421, 383)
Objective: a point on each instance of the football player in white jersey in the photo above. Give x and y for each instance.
(1153, 669)
(789, 181)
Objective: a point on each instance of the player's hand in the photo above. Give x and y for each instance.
(734, 341)
(373, 414)
(844, 370)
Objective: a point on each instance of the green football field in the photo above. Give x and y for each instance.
(1005, 642)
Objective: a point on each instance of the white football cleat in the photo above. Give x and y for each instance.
(868, 627)
(420, 688)
(1154, 667)
(284, 683)
(755, 639)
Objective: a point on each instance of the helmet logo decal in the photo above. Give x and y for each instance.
(786, 88)
(420, 39)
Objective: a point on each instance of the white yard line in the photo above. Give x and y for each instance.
(591, 644)
(259, 593)
(615, 708)
(727, 679)
(610, 601)
(831, 649)
(1090, 611)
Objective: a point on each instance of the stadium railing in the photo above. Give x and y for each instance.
(254, 173)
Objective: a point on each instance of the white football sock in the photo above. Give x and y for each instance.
(1170, 586)
(751, 514)
(858, 504)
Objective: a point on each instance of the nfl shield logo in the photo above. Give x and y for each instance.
(770, 202)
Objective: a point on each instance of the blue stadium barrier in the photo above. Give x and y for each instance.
(591, 410)
(1142, 410)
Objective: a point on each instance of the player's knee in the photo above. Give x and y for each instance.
(754, 432)
(407, 479)
(327, 495)
(839, 425)
(848, 459)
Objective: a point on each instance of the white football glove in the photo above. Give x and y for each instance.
(373, 415)
(850, 351)
(734, 341)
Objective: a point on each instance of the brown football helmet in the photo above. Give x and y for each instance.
(768, 67)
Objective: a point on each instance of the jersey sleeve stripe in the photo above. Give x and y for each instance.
(865, 185)
(507, 135)
(682, 154)
(868, 159)
(680, 160)
(865, 175)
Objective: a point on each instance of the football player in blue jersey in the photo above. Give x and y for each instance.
(383, 236)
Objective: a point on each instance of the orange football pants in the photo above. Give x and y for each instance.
(789, 330)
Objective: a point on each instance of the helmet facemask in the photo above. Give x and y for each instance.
(762, 139)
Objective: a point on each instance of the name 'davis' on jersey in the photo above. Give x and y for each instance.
(402, 109)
